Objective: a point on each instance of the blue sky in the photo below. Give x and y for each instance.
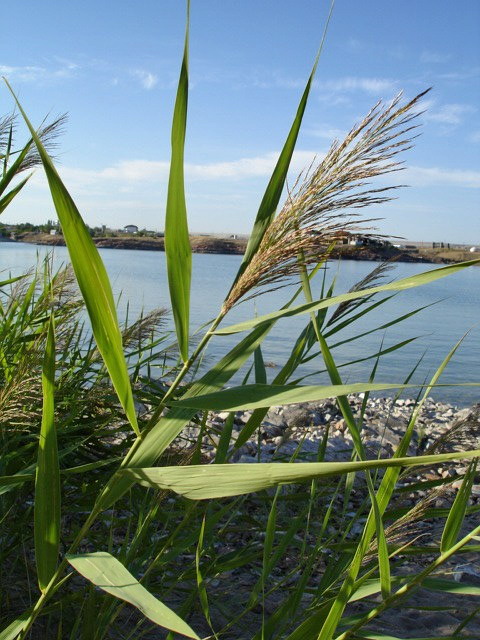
(113, 67)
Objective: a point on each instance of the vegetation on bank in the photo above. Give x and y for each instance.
(206, 243)
(114, 525)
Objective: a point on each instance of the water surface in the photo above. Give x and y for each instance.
(139, 279)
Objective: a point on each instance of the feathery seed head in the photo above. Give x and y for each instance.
(319, 211)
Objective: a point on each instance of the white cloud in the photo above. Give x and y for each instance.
(327, 133)
(147, 79)
(434, 176)
(451, 114)
(131, 172)
(38, 74)
(368, 85)
(126, 175)
(459, 76)
(276, 80)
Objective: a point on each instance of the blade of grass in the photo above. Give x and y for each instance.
(406, 283)
(456, 514)
(384, 495)
(201, 482)
(177, 243)
(149, 449)
(414, 583)
(47, 483)
(92, 279)
(7, 199)
(106, 572)
(202, 591)
(344, 405)
(257, 396)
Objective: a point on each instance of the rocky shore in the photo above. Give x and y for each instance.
(299, 430)
(237, 246)
(301, 427)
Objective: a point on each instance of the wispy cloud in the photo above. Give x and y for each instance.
(434, 176)
(147, 79)
(461, 75)
(434, 57)
(326, 133)
(155, 172)
(450, 114)
(134, 172)
(35, 74)
(352, 83)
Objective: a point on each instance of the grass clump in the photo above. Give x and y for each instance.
(151, 538)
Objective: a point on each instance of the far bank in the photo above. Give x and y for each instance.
(237, 246)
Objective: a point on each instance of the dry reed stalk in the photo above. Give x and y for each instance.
(318, 213)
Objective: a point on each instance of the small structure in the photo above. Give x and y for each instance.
(130, 228)
(53, 232)
(474, 249)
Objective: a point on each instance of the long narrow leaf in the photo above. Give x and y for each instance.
(201, 482)
(406, 283)
(47, 484)
(385, 491)
(92, 279)
(258, 396)
(16, 627)
(106, 572)
(7, 199)
(177, 243)
(457, 512)
(168, 427)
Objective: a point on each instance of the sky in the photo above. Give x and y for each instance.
(113, 67)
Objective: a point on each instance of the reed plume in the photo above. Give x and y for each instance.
(48, 134)
(319, 210)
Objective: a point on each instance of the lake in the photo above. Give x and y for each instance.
(139, 279)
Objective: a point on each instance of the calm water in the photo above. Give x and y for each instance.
(139, 277)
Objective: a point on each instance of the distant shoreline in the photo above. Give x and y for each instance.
(237, 246)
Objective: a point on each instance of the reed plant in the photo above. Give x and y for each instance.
(114, 523)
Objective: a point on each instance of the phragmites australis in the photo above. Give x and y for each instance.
(321, 207)
(28, 157)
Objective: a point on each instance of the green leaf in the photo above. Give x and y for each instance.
(16, 627)
(201, 482)
(47, 483)
(450, 586)
(149, 449)
(106, 572)
(383, 560)
(456, 514)
(5, 201)
(177, 243)
(384, 494)
(260, 370)
(202, 590)
(11, 481)
(406, 283)
(258, 396)
(4, 283)
(92, 279)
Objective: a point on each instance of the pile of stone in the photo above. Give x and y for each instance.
(299, 430)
